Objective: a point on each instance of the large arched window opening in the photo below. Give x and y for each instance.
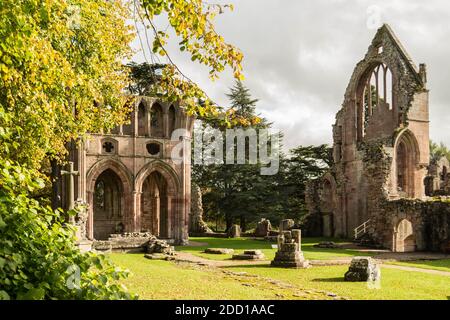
(375, 90)
(108, 213)
(157, 126)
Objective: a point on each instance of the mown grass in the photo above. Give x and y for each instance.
(167, 280)
(394, 285)
(241, 244)
(440, 265)
(163, 280)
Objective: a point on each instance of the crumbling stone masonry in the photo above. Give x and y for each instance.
(381, 156)
(289, 254)
(196, 223)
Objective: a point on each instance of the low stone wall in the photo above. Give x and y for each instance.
(128, 242)
(209, 234)
(430, 221)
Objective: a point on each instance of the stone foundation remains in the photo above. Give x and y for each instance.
(289, 254)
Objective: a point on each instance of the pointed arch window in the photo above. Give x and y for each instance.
(157, 126)
(142, 117)
(376, 91)
(172, 119)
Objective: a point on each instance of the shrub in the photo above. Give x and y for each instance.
(38, 255)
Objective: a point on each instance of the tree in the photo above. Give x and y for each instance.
(235, 191)
(304, 164)
(437, 151)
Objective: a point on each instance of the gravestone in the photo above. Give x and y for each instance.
(263, 228)
(362, 269)
(289, 254)
(286, 224)
(234, 231)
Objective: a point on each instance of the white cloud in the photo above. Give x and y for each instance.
(299, 56)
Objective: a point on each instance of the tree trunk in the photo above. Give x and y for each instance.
(243, 223)
(229, 221)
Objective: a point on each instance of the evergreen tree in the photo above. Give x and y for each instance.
(234, 191)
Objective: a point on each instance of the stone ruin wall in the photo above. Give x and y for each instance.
(362, 184)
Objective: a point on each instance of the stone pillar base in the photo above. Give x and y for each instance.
(286, 259)
(84, 245)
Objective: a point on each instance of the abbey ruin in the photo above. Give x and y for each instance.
(382, 185)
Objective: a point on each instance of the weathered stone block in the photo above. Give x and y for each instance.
(290, 247)
(263, 228)
(286, 224)
(248, 256)
(362, 269)
(219, 251)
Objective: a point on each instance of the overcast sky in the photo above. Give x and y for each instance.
(300, 54)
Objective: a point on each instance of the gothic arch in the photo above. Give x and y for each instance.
(157, 125)
(406, 161)
(157, 206)
(165, 170)
(172, 115)
(404, 237)
(374, 92)
(126, 187)
(142, 116)
(327, 204)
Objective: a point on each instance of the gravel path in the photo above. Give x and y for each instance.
(382, 259)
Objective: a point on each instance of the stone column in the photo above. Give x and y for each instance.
(135, 122)
(169, 216)
(297, 236)
(70, 188)
(166, 124)
(148, 128)
(137, 224)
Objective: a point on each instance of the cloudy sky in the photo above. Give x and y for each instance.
(300, 54)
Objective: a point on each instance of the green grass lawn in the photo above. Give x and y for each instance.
(163, 280)
(167, 280)
(240, 244)
(395, 284)
(441, 265)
